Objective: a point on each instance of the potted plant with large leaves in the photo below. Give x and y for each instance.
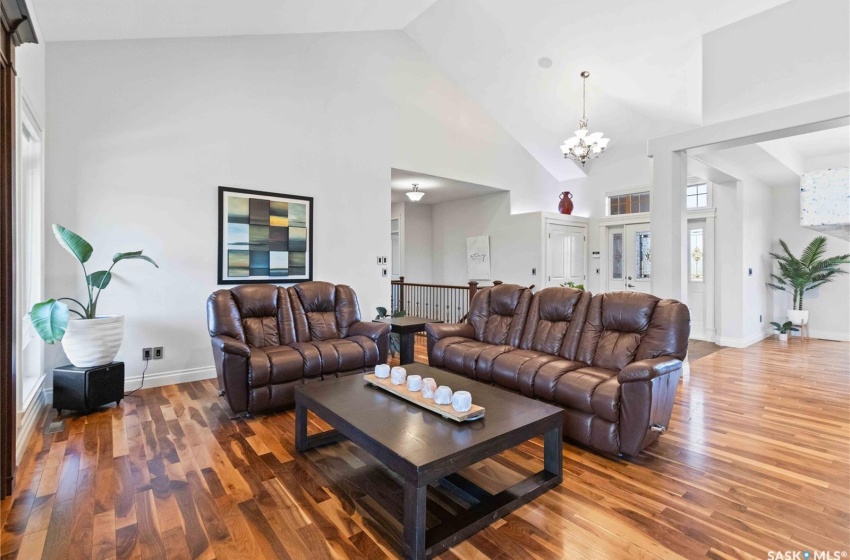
(88, 339)
(799, 275)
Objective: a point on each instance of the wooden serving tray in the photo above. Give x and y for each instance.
(445, 410)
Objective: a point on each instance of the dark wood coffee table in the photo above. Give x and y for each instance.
(406, 327)
(423, 448)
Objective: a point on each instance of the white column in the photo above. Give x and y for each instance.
(668, 225)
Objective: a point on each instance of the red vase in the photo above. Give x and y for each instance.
(566, 204)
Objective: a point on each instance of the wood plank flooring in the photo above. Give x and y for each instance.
(756, 460)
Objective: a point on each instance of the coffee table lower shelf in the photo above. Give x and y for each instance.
(420, 543)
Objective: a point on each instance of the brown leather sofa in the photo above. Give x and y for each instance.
(612, 361)
(267, 340)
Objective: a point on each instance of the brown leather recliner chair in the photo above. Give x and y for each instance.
(612, 362)
(267, 340)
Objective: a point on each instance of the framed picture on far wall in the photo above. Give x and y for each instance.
(264, 237)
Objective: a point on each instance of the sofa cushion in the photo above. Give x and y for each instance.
(516, 370)
(548, 375)
(498, 314)
(555, 320)
(575, 388)
(285, 364)
(324, 357)
(615, 324)
(462, 356)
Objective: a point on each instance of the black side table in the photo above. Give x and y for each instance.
(86, 389)
(406, 327)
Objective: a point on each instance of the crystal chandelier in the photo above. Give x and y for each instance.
(584, 146)
(415, 195)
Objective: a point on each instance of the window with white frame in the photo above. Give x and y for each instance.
(697, 196)
(30, 248)
(628, 203)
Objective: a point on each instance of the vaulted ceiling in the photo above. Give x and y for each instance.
(644, 57)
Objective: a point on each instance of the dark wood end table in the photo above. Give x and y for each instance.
(424, 449)
(406, 327)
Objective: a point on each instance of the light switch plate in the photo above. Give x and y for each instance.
(384, 272)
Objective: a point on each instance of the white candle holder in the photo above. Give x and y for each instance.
(429, 385)
(398, 375)
(414, 383)
(443, 395)
(382, 371)
(461, 401)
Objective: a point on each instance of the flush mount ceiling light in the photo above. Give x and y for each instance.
(583, 146)
(415, 195)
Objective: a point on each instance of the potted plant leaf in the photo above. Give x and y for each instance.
(783, 329)
(395, 341)
(88, 339)
(799, 275)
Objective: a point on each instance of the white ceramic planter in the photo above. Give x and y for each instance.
(783, 336)
(798, 317)
(93, 342)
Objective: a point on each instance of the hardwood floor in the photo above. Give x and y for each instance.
(756, 460)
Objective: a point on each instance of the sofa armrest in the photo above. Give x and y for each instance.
(647, 370)
(437, 331)
(230, 345)
(371, 330)
(379, 332)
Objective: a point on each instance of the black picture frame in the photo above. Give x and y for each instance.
(230, 234)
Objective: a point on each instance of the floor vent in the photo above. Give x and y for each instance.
(55, 427)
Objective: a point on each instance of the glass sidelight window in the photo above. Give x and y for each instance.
(617, 256)
(697, 256)
(642, 255)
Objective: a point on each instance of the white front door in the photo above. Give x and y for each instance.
(697, 277)
(565, 254)
(636, 257)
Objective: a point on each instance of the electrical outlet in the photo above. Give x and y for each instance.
(157, 353)
(147, 354)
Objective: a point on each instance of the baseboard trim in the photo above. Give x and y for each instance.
(828, 335)
(170, 377)
(741, 342)
(29, 421)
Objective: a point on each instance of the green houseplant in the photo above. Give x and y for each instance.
(89, 339)
(799, 275)
(783, 329)
(395, 341)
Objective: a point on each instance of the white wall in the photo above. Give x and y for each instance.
(515, 246)
(141, 134)
(756, 239)
(417, 243)
(729, 259)
(793, 53)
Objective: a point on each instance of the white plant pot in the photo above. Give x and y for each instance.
(798, 317)
(783, 336)
(93, 342)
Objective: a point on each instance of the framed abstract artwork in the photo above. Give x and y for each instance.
(264, 237)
